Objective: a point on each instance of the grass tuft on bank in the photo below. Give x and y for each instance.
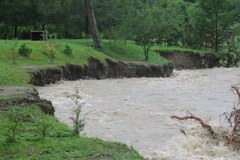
(29, 122)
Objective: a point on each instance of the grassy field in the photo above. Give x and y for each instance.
(16, 74)
(29, 122)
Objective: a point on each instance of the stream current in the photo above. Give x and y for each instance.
(137, 111)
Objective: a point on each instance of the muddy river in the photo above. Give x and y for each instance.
(137, 111)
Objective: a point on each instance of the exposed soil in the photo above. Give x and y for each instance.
(21, 96)
(189, 60)
(97, 70)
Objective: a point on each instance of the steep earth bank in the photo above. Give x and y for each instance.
(21, 96)
(189, 60)
(97, 70)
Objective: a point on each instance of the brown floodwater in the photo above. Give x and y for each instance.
(137, 111)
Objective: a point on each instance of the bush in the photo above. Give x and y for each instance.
(50, 47)
(231, 54)
(78, 121)
(68, 50)
(24, 50)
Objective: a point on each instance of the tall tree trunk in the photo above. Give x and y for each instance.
(43, 26)
(87, 26)
(15, 31)
(216, 33)
(93, 24)
(87, 30)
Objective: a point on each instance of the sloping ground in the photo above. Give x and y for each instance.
(58, 142)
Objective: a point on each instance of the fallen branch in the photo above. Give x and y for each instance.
(204, 124)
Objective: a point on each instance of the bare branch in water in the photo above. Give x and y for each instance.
(204, 124)
(233, 118)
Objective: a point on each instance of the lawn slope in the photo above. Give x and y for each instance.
(29, 123)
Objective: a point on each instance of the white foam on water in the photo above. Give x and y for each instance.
(196, 145)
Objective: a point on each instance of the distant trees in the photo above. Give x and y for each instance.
(187, 23)
(214, 19)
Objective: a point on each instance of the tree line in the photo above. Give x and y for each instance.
(188, 23)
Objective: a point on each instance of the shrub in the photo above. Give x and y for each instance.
(68, 50)
(78, 121)
(231, 54)
(50, 50)
(50, 47)
(24, 50)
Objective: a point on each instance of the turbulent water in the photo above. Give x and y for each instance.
(137, 111)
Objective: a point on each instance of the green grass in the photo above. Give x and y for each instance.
(16, 74)
(59, 142)
(179, 49)
(130, 52)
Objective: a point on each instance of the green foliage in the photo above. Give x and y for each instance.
(155, 22)
(24, 50)
(139, 25)
(231, 53)
(50, 47)
(78, 121)
(213, 20)
(168, 21)
(67, 50)
(197, 24)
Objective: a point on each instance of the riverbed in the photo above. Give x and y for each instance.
(137, 111)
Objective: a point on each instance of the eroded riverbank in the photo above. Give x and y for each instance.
(136, 111)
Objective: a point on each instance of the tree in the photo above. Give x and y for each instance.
(93, 24)
(13, 13)
(169, 20)
(139, 25)
(213, 20)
